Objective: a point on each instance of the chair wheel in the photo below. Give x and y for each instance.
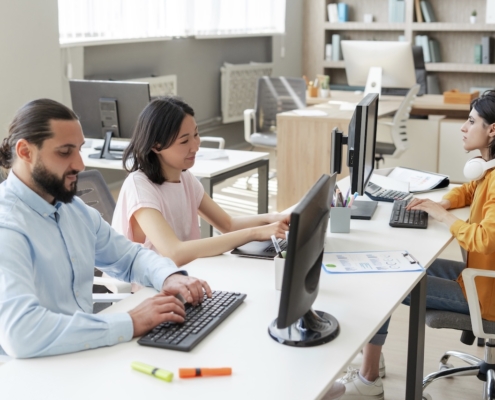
(444, 367)
(426, 396)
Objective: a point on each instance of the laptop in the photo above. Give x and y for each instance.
(266, 249)
(263, 249)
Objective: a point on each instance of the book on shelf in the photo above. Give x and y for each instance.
(333, 15)
(396, 10)
(427, 11)
(434, 50)
(343, 12)
(490, 11)
(486, 49)
(432, 84)
(422, 40)
(417, 9)
(336, 52)
(477, 54)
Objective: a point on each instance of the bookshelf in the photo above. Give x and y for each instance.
(455, 34)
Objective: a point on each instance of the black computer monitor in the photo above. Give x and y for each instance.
(108, 109)
(297, 323)
(361, 141)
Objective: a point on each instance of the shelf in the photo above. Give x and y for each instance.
(454, 67)
(363, 26)
(333, 64)
(451, 27)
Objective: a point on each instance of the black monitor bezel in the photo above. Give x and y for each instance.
(295, 300)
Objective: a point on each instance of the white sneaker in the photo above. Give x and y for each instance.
(356, 389)
(335, 392)
(358, 360)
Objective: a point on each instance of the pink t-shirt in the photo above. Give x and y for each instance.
(177, 202)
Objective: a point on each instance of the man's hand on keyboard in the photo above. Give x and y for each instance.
(154, 311)
(191, 289)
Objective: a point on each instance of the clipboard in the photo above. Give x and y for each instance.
(370, 262)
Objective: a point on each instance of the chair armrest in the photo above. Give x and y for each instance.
(469, 275)
(249, 116)
(216, 139)
(109, 297)
(114, 285)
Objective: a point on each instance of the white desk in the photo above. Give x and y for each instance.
(211, 172)
(262, 368)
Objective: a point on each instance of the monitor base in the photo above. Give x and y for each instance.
(105, 149)
(362, 209)
(313, 329)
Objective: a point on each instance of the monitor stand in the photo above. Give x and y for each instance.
(374, 82)
(105, 149)
(312, 329)
(363, 209)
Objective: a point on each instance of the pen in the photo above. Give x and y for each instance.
(156, 372)
(351, 200)
(347, 197)
(198, 372)
(340, 200)
(277, 247)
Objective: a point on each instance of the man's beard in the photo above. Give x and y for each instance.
(53, 185)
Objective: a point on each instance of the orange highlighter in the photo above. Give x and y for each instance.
(198, 372)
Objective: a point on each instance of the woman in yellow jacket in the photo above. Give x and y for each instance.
(445, 288)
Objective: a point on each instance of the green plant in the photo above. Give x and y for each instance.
(474, 13)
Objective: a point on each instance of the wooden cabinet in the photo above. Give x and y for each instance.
(455, 34)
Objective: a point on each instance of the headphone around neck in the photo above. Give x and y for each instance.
(476, 168)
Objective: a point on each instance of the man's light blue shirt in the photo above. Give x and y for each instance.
(47, 259)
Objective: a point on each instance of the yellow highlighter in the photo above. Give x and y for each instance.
(156, 372)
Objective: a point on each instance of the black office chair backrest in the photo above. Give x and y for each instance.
(275, 95)
(93, 190)
(420, 69)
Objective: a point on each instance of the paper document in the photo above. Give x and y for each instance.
(369, 261)
(310, 113)
(419, 181)
(211, 154)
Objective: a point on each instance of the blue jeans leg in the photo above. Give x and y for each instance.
(442, 293)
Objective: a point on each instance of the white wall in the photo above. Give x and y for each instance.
(30, 65)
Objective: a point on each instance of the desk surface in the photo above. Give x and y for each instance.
(262, 368)
(201, 168)
(428, 104)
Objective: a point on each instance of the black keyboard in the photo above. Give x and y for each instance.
(377, 193)
(402, 218)
(200, 321)
(283, 246)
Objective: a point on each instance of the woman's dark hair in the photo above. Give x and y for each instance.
(32, 123)
(158, 126)
(485, 107)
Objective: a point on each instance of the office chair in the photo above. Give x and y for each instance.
(93, 190)
(398, 129)
(274, 95)
(472, 325)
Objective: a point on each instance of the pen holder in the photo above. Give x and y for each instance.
(340, 220)
(279, 272)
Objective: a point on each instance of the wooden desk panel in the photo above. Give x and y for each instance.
(304, 146)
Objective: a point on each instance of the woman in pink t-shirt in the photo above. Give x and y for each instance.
(160, 200)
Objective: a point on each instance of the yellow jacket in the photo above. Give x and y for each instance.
(477, 235)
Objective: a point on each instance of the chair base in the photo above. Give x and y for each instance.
(483, 370)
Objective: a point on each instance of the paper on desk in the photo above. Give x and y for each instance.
(211, 154)
(369, 262)
(310, 113)
(419, 181)
(348, 106)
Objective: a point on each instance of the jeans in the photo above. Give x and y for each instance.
(442, 293)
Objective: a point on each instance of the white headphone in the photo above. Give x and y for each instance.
(476, 168)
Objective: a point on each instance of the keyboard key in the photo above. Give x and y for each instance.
(200, 321)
